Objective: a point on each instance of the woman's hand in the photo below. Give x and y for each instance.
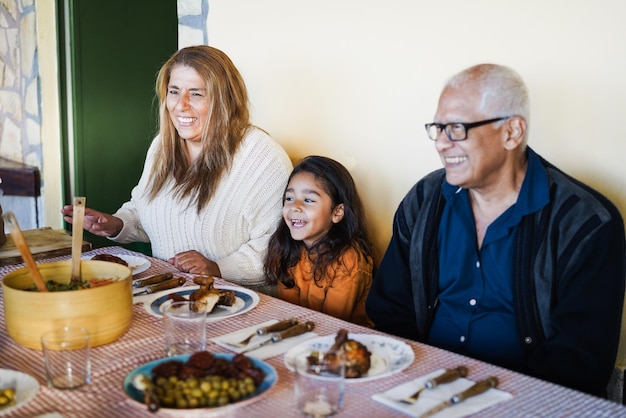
(194, 262)
(98, 223)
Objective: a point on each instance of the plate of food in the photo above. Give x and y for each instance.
(370, 356)
(135, 264)
(208, 383)
(228, 301)
(16, 390)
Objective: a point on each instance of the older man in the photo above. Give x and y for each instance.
(500, 255)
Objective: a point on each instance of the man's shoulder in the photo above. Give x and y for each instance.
(571, 195)
(426, 187)
(416, 203)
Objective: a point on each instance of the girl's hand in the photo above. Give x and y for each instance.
(98, 223)
(194, 262)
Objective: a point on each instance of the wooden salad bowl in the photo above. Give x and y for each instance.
(105, 311)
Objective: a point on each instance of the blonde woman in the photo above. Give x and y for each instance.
(210, 194)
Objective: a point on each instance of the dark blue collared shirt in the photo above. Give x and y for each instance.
(475, 313)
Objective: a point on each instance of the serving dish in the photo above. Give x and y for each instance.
(245, 300)
(105, 311)
(137, 396)
(389, 355)
(135, 264)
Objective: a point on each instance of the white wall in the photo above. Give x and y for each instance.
(51, 115)
(357, 79)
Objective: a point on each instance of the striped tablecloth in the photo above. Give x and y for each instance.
(144, 342)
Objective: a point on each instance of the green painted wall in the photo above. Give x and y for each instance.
(116, 47)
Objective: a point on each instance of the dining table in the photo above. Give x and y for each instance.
(144, 342)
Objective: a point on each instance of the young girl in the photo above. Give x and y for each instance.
(320, 256)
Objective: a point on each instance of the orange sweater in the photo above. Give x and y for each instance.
(345, 299)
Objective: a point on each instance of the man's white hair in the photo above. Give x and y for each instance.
(503, 91)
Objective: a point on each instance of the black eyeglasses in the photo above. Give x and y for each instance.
(456, 131)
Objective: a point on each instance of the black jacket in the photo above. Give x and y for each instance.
(569, 271)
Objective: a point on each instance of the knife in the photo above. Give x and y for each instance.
(476, 389)
(157, 278)
(279, 336)
(448, 376)
(168, 284)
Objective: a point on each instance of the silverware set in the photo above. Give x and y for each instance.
(474, 390)
(279, 331)
(450, 375)
(279, 326)
(157, 283)
(293, 331)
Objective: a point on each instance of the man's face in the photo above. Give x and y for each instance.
(479, 161)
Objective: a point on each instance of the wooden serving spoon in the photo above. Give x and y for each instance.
(20, 243)
(78, 217)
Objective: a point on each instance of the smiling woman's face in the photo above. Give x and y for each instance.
(187, 102)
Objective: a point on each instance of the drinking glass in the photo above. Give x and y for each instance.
(184, 327)
(66, 354)
(319, 383)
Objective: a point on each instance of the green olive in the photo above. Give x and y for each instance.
(214, 394)
(205, 386)
(222, 400)
(234, 395)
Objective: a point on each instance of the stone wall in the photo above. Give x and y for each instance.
(20, 110)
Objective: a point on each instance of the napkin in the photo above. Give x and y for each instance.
(433, 397)
(268, 350)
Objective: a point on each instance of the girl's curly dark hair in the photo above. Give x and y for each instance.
(351, 232)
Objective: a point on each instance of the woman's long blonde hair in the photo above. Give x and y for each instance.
(228, 121)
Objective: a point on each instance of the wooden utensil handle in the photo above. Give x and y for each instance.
(477, 389)
(157, 278)
(77, 235)
(20, 243)
(449, 376)
(294, 331)
(279, 326)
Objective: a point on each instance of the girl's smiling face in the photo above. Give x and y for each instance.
(308, 209)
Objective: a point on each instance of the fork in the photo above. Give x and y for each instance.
(448, 376)
(279, 326)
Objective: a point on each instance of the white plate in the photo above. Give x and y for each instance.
(26, 388)
(389, 355)
(245, 300)
(135, 264)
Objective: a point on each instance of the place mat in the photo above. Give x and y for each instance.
(430, 398)
(266, 351)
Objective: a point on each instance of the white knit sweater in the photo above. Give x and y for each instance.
(234, 227)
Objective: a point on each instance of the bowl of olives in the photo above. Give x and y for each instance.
(199, 384)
